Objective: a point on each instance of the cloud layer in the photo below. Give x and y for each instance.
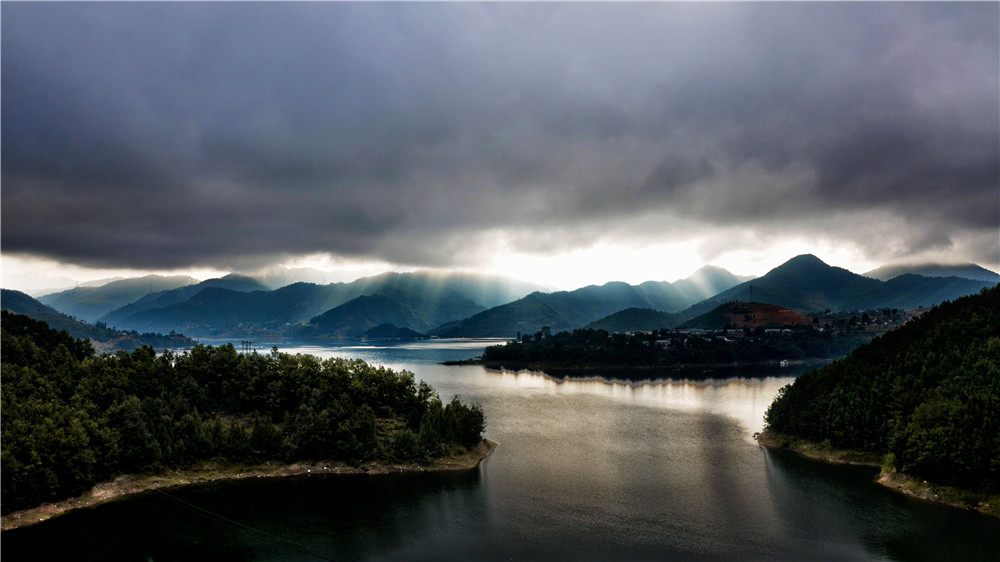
(171, 135)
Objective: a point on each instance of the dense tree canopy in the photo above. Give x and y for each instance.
(927, 395)
(667, 347)
(72, 419)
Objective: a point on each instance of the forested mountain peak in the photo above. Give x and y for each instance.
(806, 284)
(808, 267)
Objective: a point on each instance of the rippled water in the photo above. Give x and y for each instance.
(586, 470)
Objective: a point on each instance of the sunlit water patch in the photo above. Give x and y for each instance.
(743, 399)
(587, 469)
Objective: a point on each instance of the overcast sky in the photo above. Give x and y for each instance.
(561, 143)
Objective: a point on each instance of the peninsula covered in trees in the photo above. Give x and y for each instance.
(922, 398)
(682, 347)
(72, 419)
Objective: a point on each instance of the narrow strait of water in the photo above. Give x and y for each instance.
(590, 469)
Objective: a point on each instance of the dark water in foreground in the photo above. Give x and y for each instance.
(586, 470)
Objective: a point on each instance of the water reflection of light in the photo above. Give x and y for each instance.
(450, 343)
(742, 398)
(745, 399)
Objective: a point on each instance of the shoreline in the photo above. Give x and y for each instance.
(706, 369)
(206, 472)
(896, 481)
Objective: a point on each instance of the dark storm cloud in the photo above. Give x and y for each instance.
(170, 135)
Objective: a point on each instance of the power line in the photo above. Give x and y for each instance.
(224, 519)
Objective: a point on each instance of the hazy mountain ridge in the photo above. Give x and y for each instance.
(912, 291)
(399, 307)
(161, 299)
(806, 284)
(523, 315)
(802, 285)
(102, 338)
(707, 282)
(279, 277)
(634, 319)
(468, 305)
(964, 271)
(217, 310)
(568, 310)
(355, 317)
(90, 303)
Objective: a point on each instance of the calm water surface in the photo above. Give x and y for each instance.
(586, 470)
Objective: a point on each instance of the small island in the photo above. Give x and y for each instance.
(79, 429)
(683, 349)
(920, 401)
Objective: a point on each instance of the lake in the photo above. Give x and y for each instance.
(592, 469)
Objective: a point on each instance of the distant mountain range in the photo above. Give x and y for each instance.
(164, 299)
(235, 307)
(706, 282)
(566, 310)
(102, 338)
(417, 312)
(964, 271)
(468, 305)
(807, 284)
(91, 303)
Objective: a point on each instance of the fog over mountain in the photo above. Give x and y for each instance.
(407, 305)
(965, 271)
(91, 303)
(570, 141)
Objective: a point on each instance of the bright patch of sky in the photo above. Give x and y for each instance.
(560, 143)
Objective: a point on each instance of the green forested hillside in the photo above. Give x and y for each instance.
(927, 395)
(665, 348)
(523, 315)
(964, 271)
(563, 310)
(208, 310)
(633, 320)
(91, 303)
(131, 316)
(102, 337)
(353, 318)
(805, 284)
(72, 419)
(748, 314)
